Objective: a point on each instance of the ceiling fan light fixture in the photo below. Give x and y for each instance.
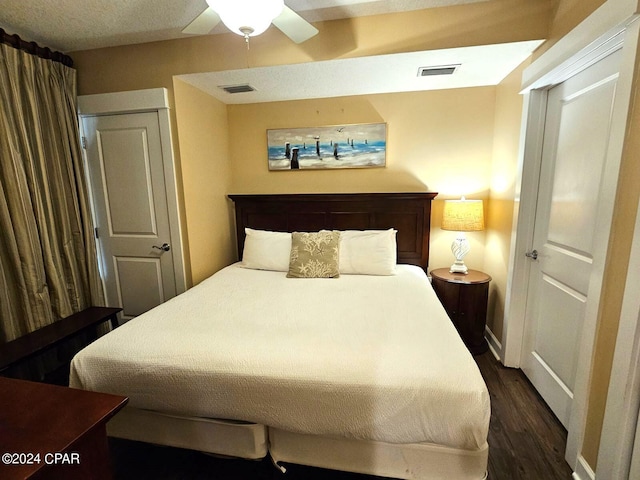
(247, 18)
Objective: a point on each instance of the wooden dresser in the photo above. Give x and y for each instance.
(53, 432)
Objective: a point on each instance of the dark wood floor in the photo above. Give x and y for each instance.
(525, 442)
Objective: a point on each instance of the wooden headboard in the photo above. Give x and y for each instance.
(409, 213)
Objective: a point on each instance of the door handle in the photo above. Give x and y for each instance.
(533, 254)
(165, 247)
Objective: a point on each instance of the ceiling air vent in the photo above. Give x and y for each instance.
(439, 70)
(237, 88)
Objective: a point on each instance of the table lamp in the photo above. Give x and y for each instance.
(462, 216)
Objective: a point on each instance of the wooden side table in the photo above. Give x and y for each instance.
(464, 297)
(52, 432)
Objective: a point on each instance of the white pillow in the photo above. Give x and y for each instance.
(264, 250)
(368, 252)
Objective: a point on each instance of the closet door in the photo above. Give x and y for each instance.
(133, 226)
(132, 178)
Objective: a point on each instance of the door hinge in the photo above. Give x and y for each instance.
(96, 231)
(84, 143)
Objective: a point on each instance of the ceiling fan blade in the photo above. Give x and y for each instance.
(203, 23)
(294, 26)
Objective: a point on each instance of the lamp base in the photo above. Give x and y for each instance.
(459, 267)
(460, 247)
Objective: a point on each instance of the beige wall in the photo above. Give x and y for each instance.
(567, 15)
(204, 148)
(504, 172)
(439, 141)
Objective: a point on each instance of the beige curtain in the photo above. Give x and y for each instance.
(48, 266)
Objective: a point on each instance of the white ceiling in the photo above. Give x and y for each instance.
(69, 25)
(479, 66)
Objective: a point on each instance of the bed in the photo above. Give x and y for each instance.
(361, 373)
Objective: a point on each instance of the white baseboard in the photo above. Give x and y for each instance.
(494, 345)
(583, 470)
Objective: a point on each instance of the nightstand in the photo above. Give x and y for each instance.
(464, 297)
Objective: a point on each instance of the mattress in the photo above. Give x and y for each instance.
(357, 357)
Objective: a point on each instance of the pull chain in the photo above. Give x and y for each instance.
(246, 39)
(246, 31)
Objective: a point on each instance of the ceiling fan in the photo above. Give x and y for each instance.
(250, 18)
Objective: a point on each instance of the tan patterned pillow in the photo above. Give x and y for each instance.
(314, 255)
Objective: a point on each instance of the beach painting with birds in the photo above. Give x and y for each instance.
(338, 146)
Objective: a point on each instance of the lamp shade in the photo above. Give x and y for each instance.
(247, 17)
(463, 215)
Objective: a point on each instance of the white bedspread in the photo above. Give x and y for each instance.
(360, 357)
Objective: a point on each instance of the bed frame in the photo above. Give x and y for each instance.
(410, 214)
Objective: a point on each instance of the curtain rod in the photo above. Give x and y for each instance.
(34, 49)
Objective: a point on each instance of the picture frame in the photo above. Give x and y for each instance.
(362, 145)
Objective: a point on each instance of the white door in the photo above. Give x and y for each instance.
(573, 158)
(125, 163)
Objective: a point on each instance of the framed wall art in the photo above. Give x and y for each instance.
(339, 146)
